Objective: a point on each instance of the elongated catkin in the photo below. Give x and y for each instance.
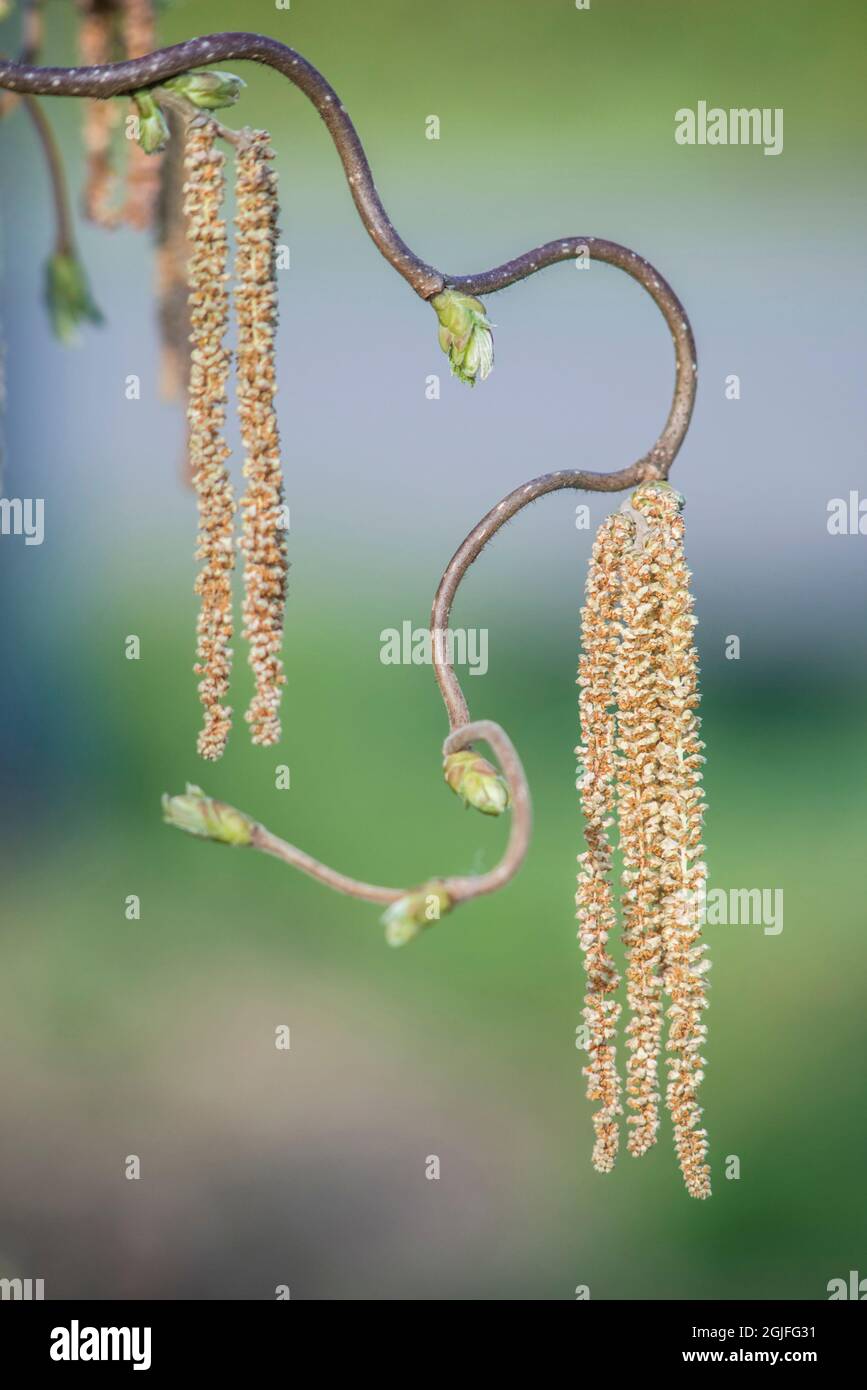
(206, 413)
(263, 538)
(595, 897)
(643, 758)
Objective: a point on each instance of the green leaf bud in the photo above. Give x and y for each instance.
(210, 91)
(198, 814)
(408, 916)
(153, 129)
(464, 335)
(477, 782)
(67, 296)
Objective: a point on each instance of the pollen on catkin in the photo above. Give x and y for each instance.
(682, 871)
(594, 898)
(639, 707)
(263, 536)
(206, 414)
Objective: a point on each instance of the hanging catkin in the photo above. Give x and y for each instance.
(263, 538)
(637, 687)
(206, 414)
(637, 632)
(594, 898)
(682, 870)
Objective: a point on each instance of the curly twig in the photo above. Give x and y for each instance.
(135, 74)
(117, 78)
(656, 463)
(458, 889)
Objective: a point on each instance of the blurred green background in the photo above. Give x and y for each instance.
(156, 1037)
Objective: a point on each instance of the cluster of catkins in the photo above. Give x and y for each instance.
(263, 534)
(641, 758)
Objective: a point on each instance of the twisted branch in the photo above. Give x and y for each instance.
(115, 79)
(459, 889)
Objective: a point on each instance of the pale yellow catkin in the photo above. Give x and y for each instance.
(638, 692)
(644, 757)
(594, 897)
(682, 869)
(206, 414)
(263, 538)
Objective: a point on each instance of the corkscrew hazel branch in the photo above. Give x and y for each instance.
(200, 815)
(155, 69)
(115, 79)
(458, 889)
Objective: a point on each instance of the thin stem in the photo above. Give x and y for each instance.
(263, 840)
(64, 235)
(458, 889)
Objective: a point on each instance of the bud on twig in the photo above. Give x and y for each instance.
(67, 295)
(476, 782)
(407, 918)
(465, 335)
(213, 820)
(153, 129)
(210, 91)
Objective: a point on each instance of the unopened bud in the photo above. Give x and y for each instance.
(208, 90)
(213, 820)
(408, 916)
(153, 129)
(477, 782)
(465, 335)
(67, 296)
